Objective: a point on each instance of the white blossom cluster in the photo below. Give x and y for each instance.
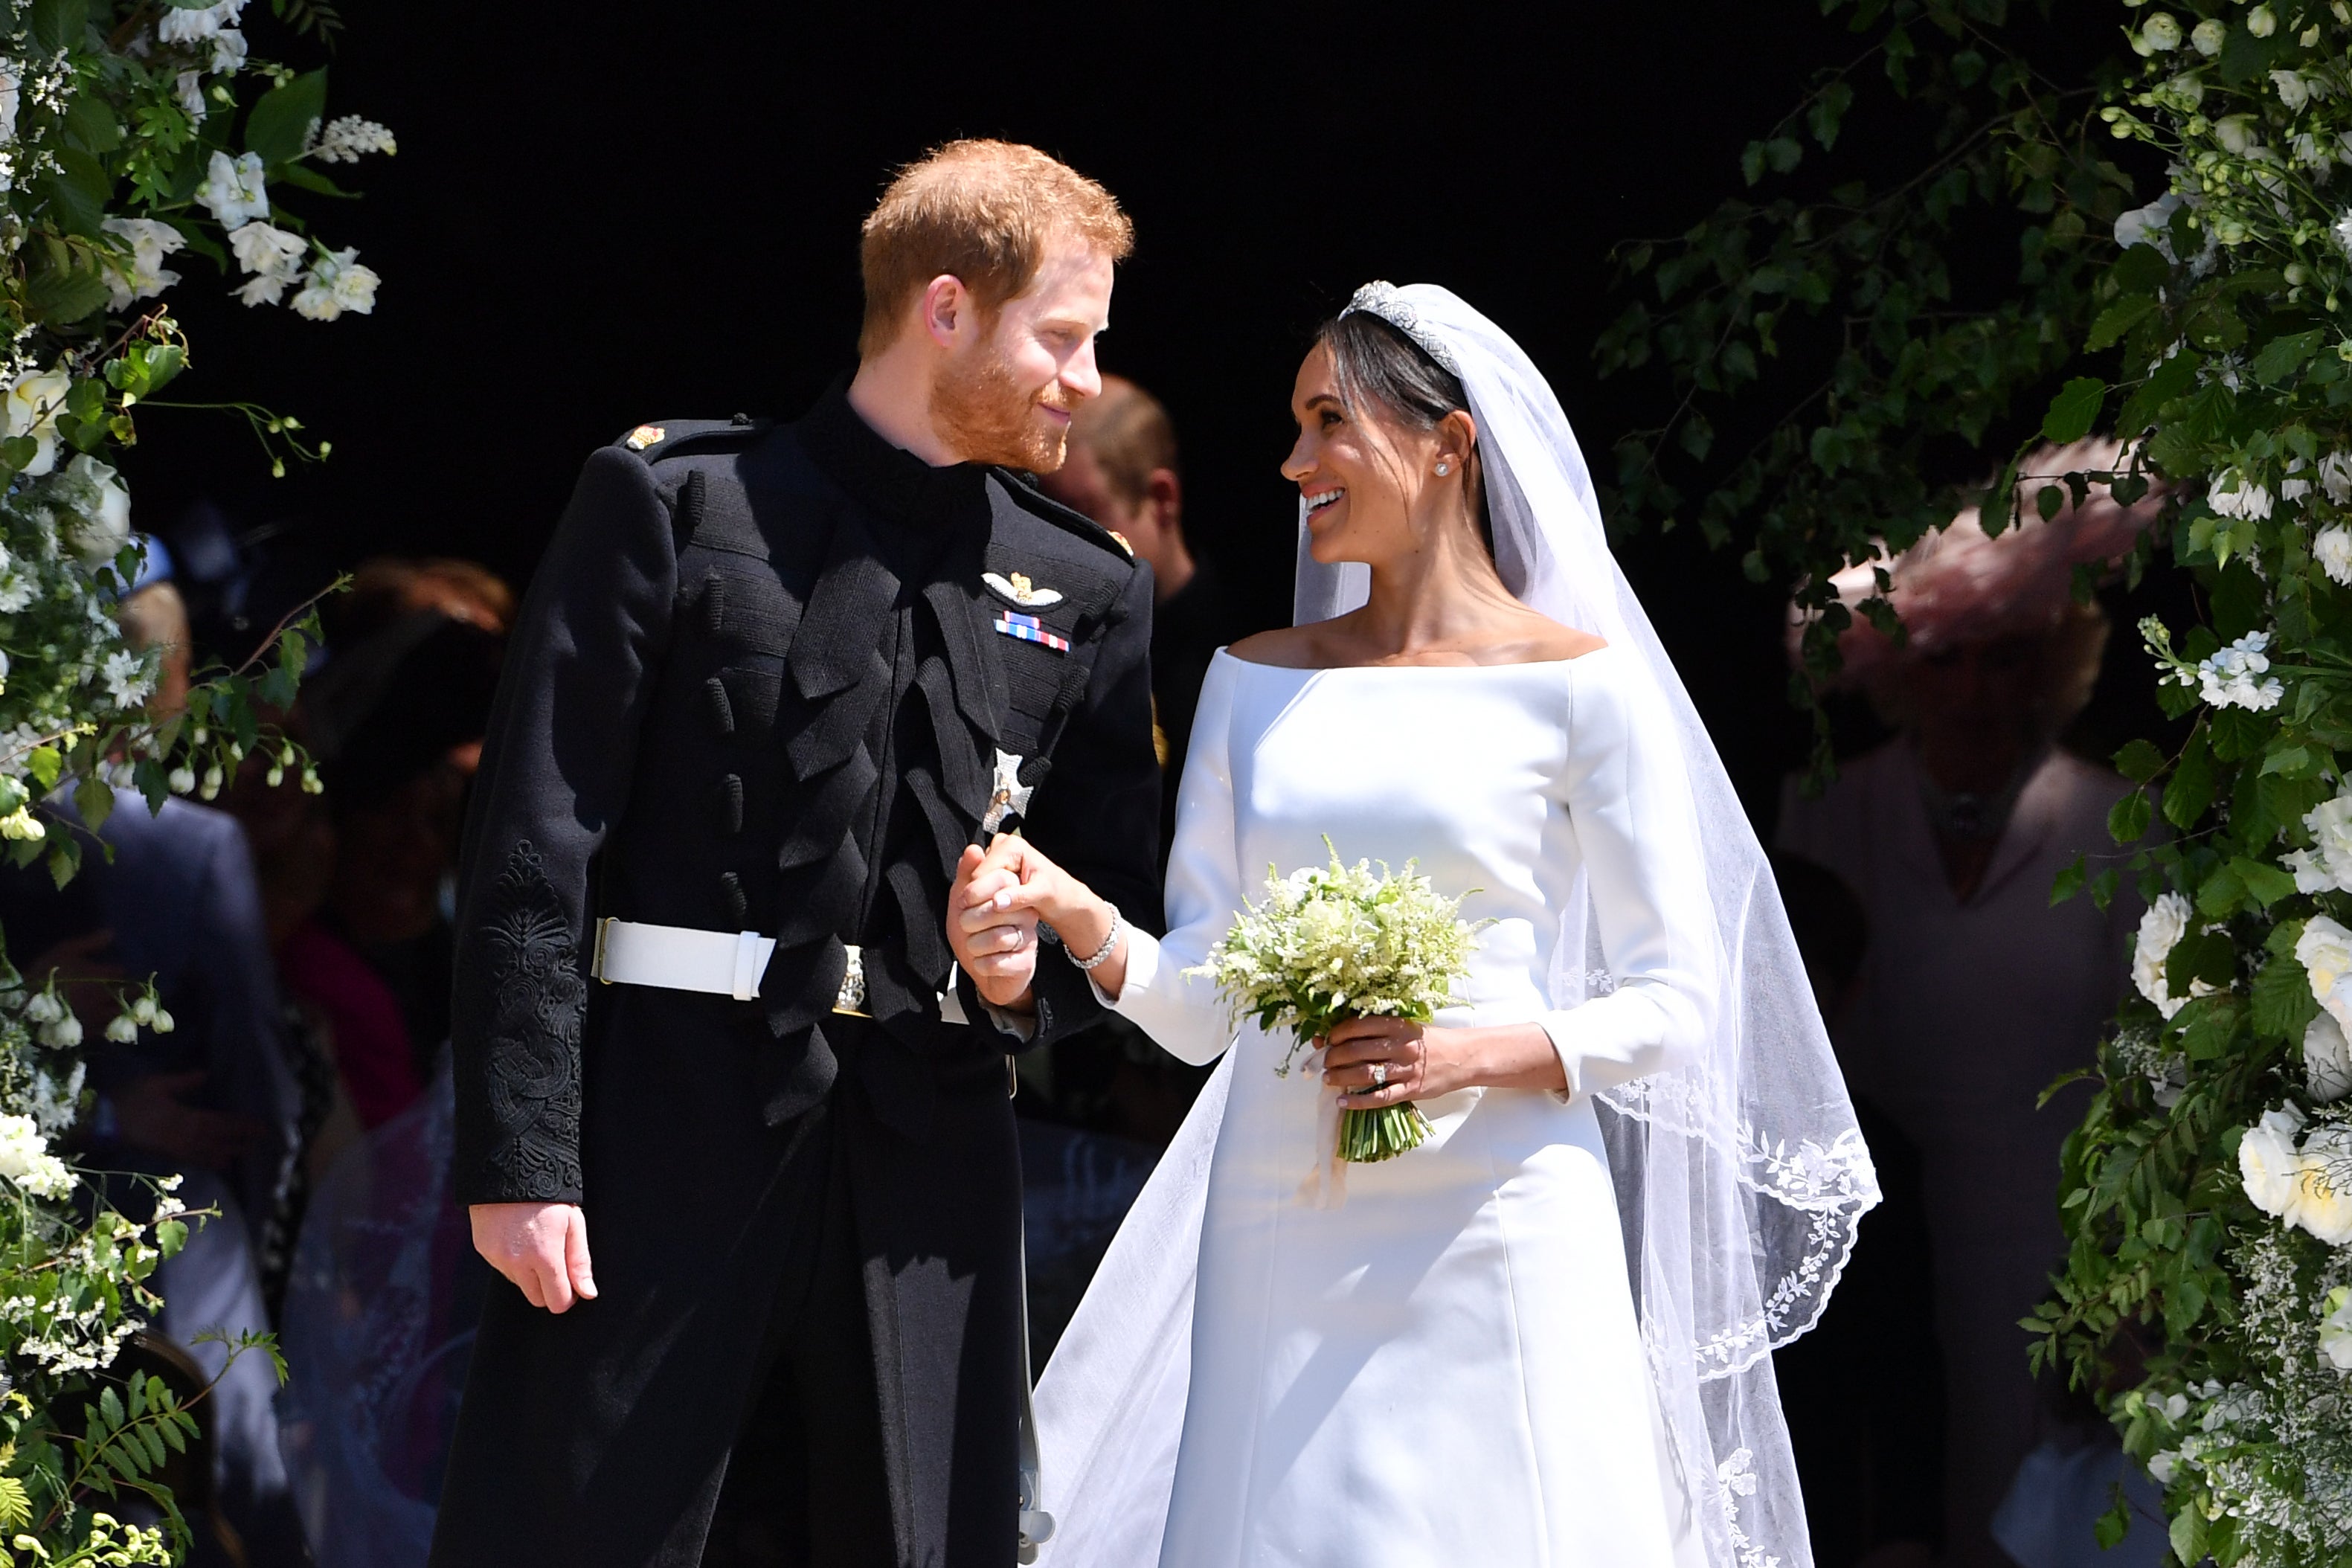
(1335, 942)
(350, 139)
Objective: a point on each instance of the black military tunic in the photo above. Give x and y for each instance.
(763, 682)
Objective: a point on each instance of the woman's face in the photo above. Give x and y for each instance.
(1352, 474)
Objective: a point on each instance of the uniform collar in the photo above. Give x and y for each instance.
(888, 478)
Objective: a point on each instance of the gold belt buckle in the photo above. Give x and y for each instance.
(851, 1002)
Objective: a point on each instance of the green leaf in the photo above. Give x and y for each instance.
(302, 176)
(59, 24)
(2292, 761)
(281, 118)
(2190, 789)
(91, 124)
(2068, 883)
(45, 763)
(1828, 113)
(2075, 410)
(2127, 818)
(2139, 762)
(2116, 320)
(2266, 882)
(2175, 378)
(2282, 1005)
(2282, 357)
(64, 284)
(110, 1404)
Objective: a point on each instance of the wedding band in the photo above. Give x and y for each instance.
(1380, 1072)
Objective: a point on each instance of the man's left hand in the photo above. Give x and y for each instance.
(995, 943)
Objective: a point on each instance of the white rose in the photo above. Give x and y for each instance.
(35, 401)
(2326, 1060)
(102, 525)
(2268, 1166)
(2160, 33)
(2322, 1204)
(2330, 826)
(2335, 1330)
(234, 190)
(2325, 951)
(2161, 927)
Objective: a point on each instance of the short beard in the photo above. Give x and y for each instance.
(986, 416)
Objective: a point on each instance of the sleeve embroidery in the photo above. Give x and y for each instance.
(536, 1003)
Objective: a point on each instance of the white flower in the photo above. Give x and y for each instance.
(2161, 927)
(2160, 33)
(100, 525)
(2233, 677)
(190, 90)
(266, 290)
(2326, 1060)
(228, 52)
(348, 139)
(2291, 90)
(2335, 1330)
(2262, 21)
(2234, 495)
(337, 283)
(35, 401)
(128, 678)
(2160, 1467)
(162, 1023)
(123, 1031)
(2236, 132)
(2333, 550)
(2145, 226)
(183, 779)
(2327, 865)
(12, 82)
(179, 27)
(65, 1034)
(43, 1007)
(273, 256)
(25, 1159)
(150, 240)
(2325, 951)
(23, 826)
(2209, 36)
(2268, 1164)
(2322, 1204)
(232, 190)
(2336, 476)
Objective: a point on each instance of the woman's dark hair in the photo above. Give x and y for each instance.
(1375, 362)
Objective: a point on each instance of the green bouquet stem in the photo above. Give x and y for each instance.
(1366, 1136)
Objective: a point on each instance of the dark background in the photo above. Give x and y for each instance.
(600, 216)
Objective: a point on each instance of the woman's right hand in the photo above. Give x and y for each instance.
(1016, 878)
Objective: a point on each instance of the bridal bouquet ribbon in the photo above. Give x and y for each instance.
(1332, 943)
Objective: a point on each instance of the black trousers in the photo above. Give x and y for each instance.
(806, 1485)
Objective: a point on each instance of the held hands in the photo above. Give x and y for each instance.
(1421, 1062)
(993, 913)
(542, 1247)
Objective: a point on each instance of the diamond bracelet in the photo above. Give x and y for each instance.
(1118, 929)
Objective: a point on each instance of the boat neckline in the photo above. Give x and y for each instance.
(1227, 652)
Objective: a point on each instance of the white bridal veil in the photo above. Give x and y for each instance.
(1740, 1179)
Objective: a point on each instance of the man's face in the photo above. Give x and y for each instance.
(1007, 394)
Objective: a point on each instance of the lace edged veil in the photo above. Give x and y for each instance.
(1740, 1179)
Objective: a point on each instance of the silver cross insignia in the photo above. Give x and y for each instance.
(1010, 797)
(1021, 590)
(646, 435)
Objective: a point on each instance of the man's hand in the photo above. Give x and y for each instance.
(995, 943)
(148, 1114)
(543, 1248)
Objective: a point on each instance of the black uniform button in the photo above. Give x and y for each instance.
(731, 804)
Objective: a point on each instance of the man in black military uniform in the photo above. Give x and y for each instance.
(769, 684)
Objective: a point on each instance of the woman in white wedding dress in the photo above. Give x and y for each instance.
(1440, 1359)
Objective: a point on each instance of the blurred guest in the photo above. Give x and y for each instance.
(1122, 472)
(214, 1102)
(1864, 1392)
(1977, 992)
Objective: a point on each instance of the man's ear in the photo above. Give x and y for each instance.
(1163, 493)
(948, 309)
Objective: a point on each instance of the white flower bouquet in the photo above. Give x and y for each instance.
(1333, 942)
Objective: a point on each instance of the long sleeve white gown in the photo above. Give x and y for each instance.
(1446, 1366)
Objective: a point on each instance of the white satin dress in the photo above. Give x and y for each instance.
(1444, 1367)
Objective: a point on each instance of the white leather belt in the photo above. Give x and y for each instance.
(719, 963)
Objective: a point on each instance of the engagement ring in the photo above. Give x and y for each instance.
(1380, 1072)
